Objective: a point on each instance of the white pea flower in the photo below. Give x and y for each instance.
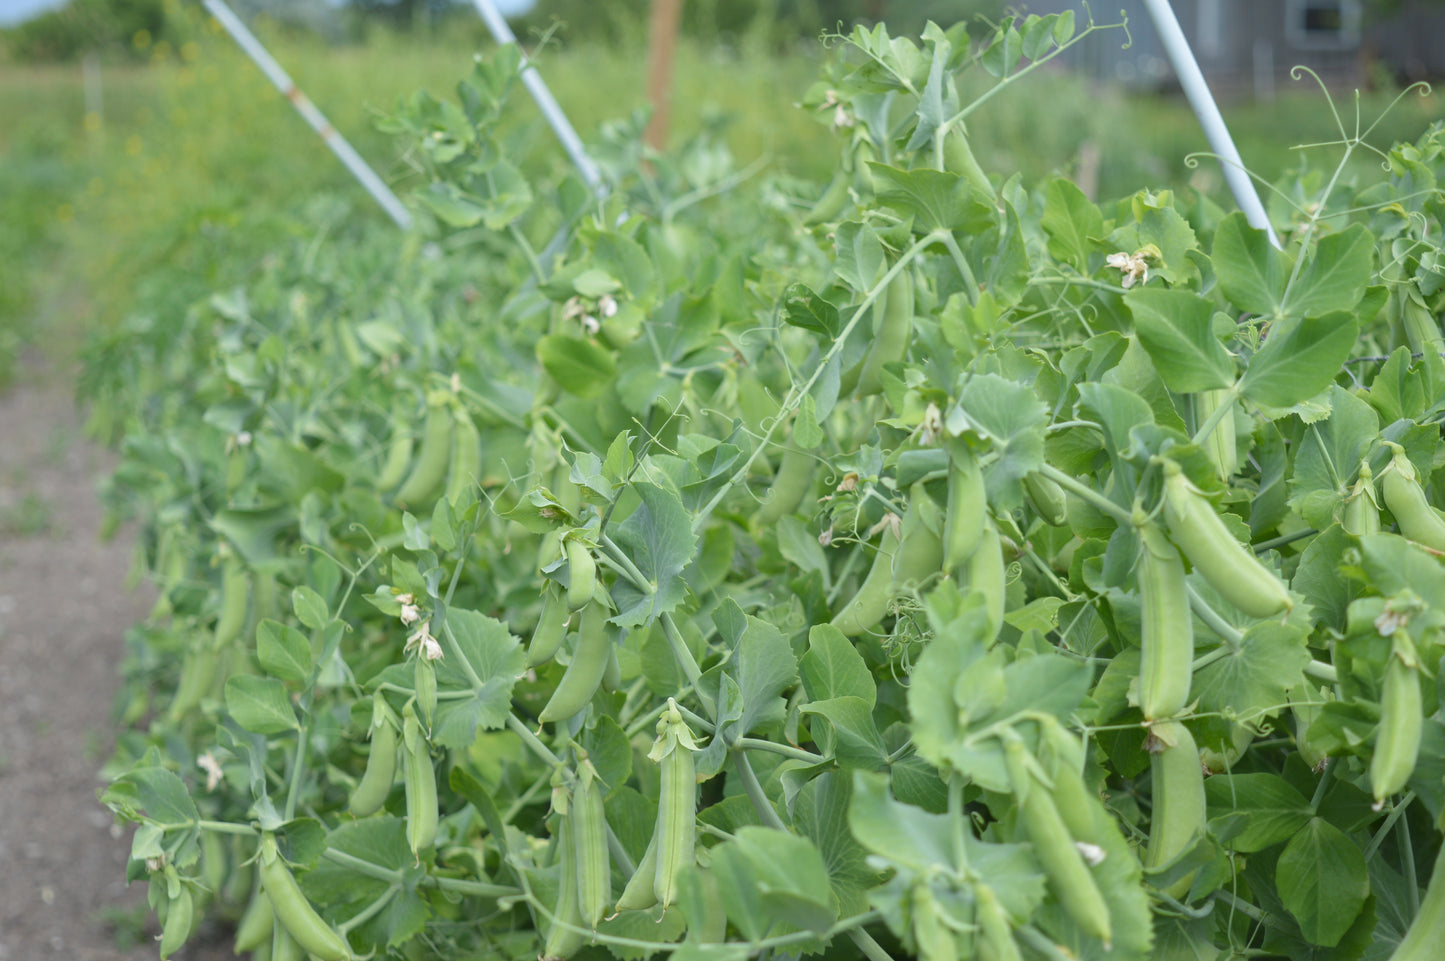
(1091, 852)
(208, 763)
(932, 427)
(410, 613)
(427, 646)
(591, 324)
(607, 305)
(1134, 266)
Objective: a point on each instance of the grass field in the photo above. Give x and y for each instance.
(197, 167)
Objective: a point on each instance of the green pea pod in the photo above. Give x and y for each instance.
(1406, 500)
(639, 894)
(1397, 743)
(1047, 499)
(1178, 817)
(568, 494)
(235, 600)
(375, 784)
(296, 913)
(254, 928)
(1361, 514)
(562, 942)
(1220, 445)
(398, 459)
(1229, 568)
(936, 940)
(589, 840)
(180, 916)
(867, 607)
(1167, 628)
(1427, 931)
(676, 803)
(996, 941)
(420, 780)
(987, 575)
(433, 455)
(830, 204)
(891, 333)
(424, 683)
(581, 574)
(1422, 330)
(963, 518)
(284, 947)
(550, 630)
(1070, 879)
(213, 862)
(790, 483)
(958, 159)
(464, 470)
(589, 663)
(198, 671)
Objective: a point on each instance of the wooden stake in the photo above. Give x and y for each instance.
(661, 46)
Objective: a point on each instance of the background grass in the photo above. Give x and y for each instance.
(198, 169)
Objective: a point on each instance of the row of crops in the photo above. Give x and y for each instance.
(928, 564)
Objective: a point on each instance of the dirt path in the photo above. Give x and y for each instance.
(63, 615)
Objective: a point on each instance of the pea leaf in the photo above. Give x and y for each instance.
(1255, 680)
(380, 841)
(860, 261)
(1072, 222)
(933, 198)
(1300, 361)
(1274, 810)
(899, 834)
(1176, 327)
(260, 704)
(283, 651)
(1329, 456)
(579, 366)
(820, 813)
(1322, 880)
(495, 658)
(1251, 273)
(659, 540)
(310, 609)
(1336, 276)
(834, 668)
(848, 732)
(805, 309)
(768, 877)
(761, 663)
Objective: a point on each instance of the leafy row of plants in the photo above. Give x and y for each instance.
(935, 565)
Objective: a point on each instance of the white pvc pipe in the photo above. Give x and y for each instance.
(537, 87)
(1186, 68)
(359, 169)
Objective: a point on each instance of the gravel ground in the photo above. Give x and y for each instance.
(63, 612)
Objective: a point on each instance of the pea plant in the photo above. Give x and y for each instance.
(925, 565)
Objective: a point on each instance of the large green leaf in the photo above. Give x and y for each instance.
(380, 841)
(1176, 328)
(1274, 810)
(1301, 360)
(1336, 276)
(582, 367)
(1323, 882)
(1251, 272)
(834, 668)
(260, 704)
(659, 540)
(1073, 223)
(493, 661)
(769, 877)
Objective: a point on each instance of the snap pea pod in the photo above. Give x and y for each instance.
(295, 912)
(1406, 500)
(1227, 565)
(1402, 720)
(677, 801)
(1179, 811)
(1167, 628)
(419, 778)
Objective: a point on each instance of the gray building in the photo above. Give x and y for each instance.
(1249, 46)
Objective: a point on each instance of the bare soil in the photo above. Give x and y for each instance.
(64, 611)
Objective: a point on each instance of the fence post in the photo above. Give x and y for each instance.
(1186, 68)
(661, 46)
(247, 41)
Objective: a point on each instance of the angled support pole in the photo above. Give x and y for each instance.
(368, 178)
(551, 111)
(1186, 68)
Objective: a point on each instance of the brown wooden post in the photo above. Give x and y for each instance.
(661, 46)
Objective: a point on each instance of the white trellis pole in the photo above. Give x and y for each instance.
(359, 169)
(1191, 78)
(537, 87)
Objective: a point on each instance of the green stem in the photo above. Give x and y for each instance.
(1321, 671)
(683, 654)
(530, 739)
(796, 394)
(785, 750)
(625, 567)
(1390, 820)
(957, 819)
(455, 649)
(1086, 493)
(871, 949)
(1041, 943)
(370, 911)
(1233, 639)
(298, 767)
(363, 866)
(479, 889)
(223, 827)
(970, 286)
(1215, 416)
(1407, 850)
(755, 792)
(1326, 776)
(1282, 540)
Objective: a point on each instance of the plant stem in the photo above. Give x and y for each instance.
(370, 911)
(1232, 638)
(755, 792)
(530, 739)
(871, 949)
(1321, 671)
(785, 750)
(1086, 493)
